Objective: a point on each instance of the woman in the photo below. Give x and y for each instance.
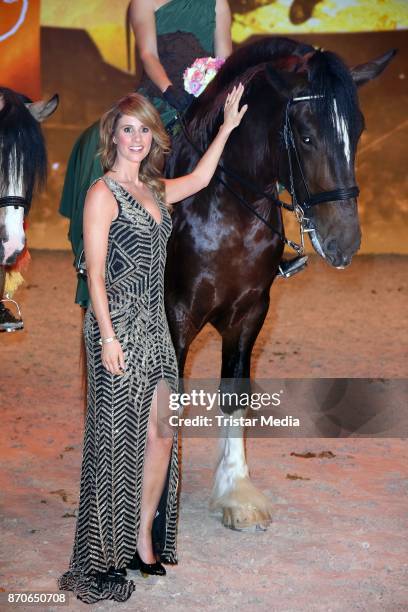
(169, 36)
(128, 499)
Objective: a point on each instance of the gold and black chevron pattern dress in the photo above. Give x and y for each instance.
(119, 407)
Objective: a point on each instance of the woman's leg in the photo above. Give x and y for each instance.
(156, 462)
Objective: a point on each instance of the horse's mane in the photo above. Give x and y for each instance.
(241, 66)
(326, 73)
(21, 140)
(267, 49)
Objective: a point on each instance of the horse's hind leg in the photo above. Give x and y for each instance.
(243, 506)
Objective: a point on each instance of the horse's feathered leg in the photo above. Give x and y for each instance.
(243, 506)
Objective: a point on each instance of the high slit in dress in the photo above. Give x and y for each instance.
(119, 407)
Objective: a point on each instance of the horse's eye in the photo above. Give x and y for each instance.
(307, 140)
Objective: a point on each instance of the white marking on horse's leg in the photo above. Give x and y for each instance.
(342, 130)
(242, 504)
(232, 463)
(221, 449)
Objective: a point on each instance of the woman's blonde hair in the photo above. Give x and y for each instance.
(151, 168)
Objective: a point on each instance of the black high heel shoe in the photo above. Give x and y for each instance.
(146, 569)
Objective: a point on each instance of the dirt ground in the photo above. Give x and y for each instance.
(338, 538)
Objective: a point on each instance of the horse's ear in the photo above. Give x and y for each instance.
(278, 82)
(41, 110)
(366, 72)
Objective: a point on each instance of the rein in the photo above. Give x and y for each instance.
(336, 195)
(249, 186)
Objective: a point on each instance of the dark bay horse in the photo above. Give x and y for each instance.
(301, 129)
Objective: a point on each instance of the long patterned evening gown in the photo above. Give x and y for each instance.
(119, 407)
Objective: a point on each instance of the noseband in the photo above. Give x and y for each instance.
(17, 202)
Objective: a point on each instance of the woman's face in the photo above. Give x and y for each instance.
(133, 139)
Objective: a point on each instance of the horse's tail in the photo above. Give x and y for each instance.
(128, 28)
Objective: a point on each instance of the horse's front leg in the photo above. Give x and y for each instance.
(243, 506)
(183, 330)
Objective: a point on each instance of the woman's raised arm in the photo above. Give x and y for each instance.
(179, 188)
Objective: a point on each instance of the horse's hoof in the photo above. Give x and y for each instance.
(249, 520)
(250, 529)
(244, 508)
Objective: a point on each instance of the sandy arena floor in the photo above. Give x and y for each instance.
(338, 540)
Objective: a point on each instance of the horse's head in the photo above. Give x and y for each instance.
(322, 124)
(22, 165)
(301, 128)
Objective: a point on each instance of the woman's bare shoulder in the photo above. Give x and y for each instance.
(99, 195)
(99, 187)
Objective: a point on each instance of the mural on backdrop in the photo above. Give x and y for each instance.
(104, 20)
(20, 46)
(83, 58)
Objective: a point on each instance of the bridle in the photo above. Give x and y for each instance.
(298, 207)
(16, 202)
(336, 195)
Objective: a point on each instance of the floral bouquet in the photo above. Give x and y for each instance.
(200, 73)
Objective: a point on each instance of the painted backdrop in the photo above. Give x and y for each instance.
(78, 49)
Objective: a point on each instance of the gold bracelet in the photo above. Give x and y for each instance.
(102, 341)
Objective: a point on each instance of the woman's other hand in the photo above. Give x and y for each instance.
(233, 116)
(142, 19)
(113, 358)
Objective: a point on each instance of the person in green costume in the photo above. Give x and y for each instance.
(170, 35)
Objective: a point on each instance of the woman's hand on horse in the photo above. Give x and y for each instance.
(113, 358)
(185, 186)
(233, 116)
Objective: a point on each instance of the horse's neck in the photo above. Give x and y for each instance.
(252, 158)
